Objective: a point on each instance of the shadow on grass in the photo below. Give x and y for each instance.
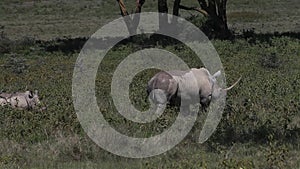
(254, 38)
(69, 45)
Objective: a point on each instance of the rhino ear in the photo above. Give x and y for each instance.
(218, 73)
(30, 94)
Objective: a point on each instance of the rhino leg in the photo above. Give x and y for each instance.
(160, 99)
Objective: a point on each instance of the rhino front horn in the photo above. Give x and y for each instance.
(233, 84)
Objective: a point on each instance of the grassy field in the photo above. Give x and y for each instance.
(260, 127)
(51, 19)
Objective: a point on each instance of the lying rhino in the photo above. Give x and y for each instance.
(21, 101)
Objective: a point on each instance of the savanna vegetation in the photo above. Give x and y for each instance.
(40, 42)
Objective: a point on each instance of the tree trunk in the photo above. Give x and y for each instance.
(215, 10)
(216, 25)
(122, 8)
(163, 11)
(139, 4)
(176, 7)
(133, 23)
(162, 6)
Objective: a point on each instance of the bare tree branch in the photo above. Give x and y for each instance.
(195, 9)
(122, 8)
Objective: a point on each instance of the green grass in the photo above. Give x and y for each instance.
(260, 126)
(261, 117)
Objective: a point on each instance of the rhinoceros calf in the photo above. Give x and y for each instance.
(189, 86)
(26, 100)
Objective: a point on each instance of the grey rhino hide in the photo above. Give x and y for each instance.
(26, 100)
(185, 85)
